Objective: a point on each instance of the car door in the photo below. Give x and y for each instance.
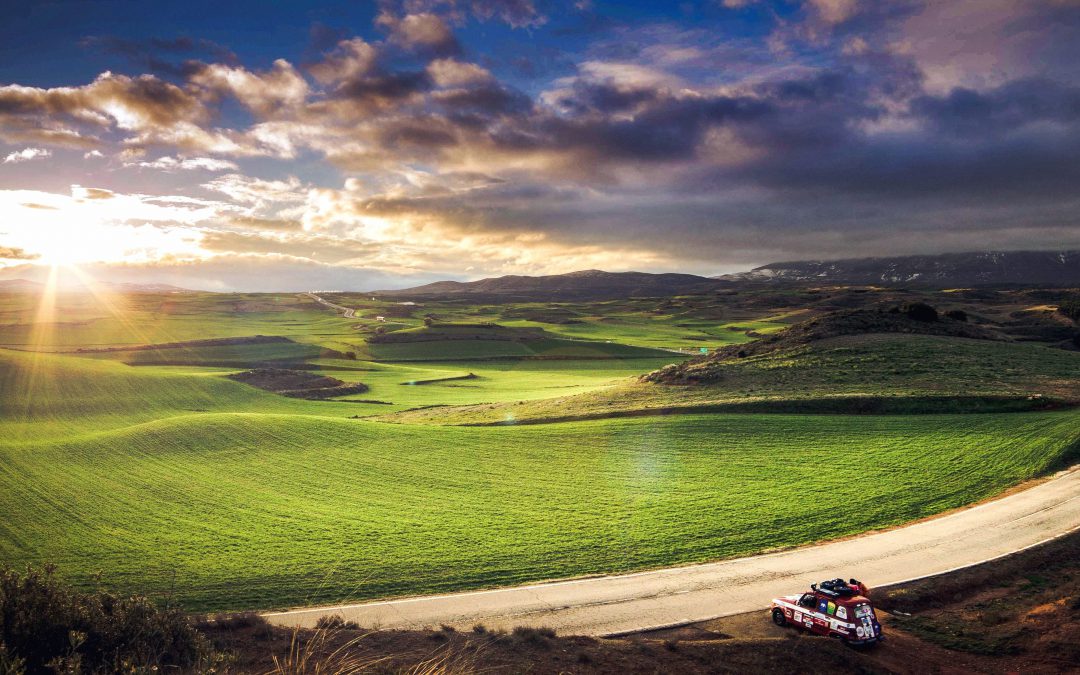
(804, 614)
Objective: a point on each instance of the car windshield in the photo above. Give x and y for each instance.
(864, 610)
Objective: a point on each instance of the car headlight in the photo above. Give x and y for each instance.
(859, 631)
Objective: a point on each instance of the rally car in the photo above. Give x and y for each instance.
(833, 608)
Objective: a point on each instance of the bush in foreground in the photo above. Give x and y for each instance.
(919, 311)
(1070, 307)
(47, 626)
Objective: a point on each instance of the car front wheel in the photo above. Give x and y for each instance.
(778, 617)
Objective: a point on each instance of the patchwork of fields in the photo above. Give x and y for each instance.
(153, 468)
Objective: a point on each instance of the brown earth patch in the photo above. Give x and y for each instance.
(298, 383)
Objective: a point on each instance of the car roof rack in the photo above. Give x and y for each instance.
(834, 588)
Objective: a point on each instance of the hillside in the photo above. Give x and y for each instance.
(584, 285)
(852, 322)
(893, 361)
(1055, 268)
(221, 496)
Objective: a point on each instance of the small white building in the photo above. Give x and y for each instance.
(381, 319)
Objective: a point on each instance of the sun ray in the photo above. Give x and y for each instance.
(41, 337)
(115, 304)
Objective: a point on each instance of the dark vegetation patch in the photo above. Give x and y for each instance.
(1027, 604)
(552, 315)
(537, 650)
(467, 331)
(912, 318)
(437, 380)
(831, 405)
(392, 312)
(1016, 614)
(1070, 307)
(298, 383)
(49, 627)
(214, 342)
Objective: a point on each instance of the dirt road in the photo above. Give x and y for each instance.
(633, 602)
(346, 312)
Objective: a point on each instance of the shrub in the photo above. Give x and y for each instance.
(47, 626)
(538, 637)
(1070, 307)
(919, 311)
(957, 315)
(260, 629)
(335, 622)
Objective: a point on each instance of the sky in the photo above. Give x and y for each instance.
(356, 145)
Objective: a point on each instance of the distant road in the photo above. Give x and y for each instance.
(347, 312)
(631, 602)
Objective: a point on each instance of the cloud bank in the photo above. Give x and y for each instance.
(833, 128)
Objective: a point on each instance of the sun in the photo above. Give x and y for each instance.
(58, 257)
(65, 231)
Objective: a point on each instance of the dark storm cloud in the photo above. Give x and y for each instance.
(863, 127)
(668, 130)
(1018, 139)
(386, 87)
(1008, 108)
(486, 99)
(153, 53)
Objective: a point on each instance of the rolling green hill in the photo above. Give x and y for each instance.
(480, 341)
(857, 373)
(218, 495)
(172, 479)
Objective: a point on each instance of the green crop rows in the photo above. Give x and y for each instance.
(175, 481)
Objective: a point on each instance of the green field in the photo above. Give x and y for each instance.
(153, 468)
(902, 373)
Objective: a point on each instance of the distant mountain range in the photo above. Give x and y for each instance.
(128, 287)
(584, 285)
(1053, 268)
(1044, 268)
(28, 286)
(1056, 268)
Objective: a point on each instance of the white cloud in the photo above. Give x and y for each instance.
(168, 163)
(26, 155)
(835, 11)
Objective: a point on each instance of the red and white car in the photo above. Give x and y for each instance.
(832, 608)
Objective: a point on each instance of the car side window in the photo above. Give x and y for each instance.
(807, 600)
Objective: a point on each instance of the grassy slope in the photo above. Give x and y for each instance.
(214, 354)
(906, 368)
(154, 318)
(179, 481)
(239, 510)
(497, 380)
(119, 469)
